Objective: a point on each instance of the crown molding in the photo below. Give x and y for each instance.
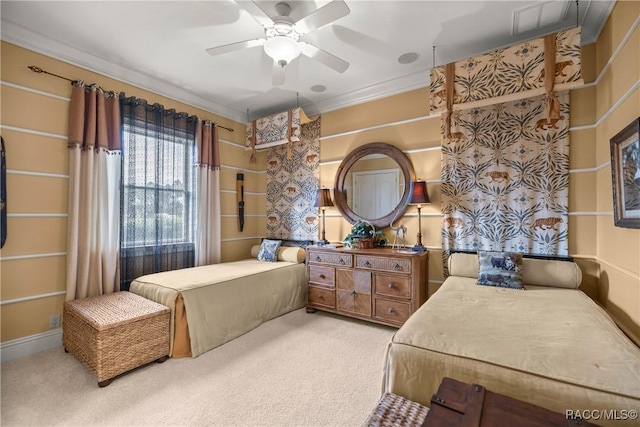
(37, 42)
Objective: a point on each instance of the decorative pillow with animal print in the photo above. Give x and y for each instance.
(501, 269)
(269, 250)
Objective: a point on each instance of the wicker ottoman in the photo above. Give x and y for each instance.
(396, 411)
(112, 334)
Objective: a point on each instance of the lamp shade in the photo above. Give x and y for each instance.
(419, 195)
(323, 199)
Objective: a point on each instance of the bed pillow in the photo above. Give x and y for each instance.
(285, 253)
(292, 254)
(269, 250)
(501, 269)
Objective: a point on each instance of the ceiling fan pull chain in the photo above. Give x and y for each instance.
(577, 13)
(433, 59)
(298, 99)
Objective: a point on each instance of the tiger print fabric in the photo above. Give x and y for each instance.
(508, 73)
(292, 185)
(505, 180)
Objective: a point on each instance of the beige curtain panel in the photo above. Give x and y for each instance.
(94, 192)
(208, 227)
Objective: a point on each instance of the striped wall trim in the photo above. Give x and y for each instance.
(411, 214)
(34, 132)
(37, 215)
(616, 52)
(252, 193)
(32, 298)
(42, 174)
(420, 150)
(242, 169)
(36, 91)
(380, 126)
(227, 142)
(32, 256)
(611, 109)
(245, 215)
(236, 239)
(413, 151)
(586, 170)
(593, 213)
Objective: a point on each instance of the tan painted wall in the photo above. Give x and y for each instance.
(34, 127)
(617, 104)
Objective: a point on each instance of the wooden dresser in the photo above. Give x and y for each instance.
(378, 285)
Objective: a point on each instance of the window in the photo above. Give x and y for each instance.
(158, 197)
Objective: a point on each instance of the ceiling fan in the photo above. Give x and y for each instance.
(282, 36)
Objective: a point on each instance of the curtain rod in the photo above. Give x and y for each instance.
(41, 71)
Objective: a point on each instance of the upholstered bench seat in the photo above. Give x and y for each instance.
(114, 333)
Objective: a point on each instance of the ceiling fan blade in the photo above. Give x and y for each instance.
(231, 47)
(323, 16)
(278, 76)
(331, 61)
(256, 12)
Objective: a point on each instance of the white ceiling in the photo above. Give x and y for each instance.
(160, 45)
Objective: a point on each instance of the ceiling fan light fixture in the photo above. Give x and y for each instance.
(282, 49)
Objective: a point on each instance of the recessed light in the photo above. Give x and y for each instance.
(407, 58)
(318, 88)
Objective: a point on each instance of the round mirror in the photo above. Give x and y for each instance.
(373, 183)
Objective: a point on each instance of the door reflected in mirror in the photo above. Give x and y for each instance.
(373, 182)
(374, 186)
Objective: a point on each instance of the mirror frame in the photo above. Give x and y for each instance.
(373, 148)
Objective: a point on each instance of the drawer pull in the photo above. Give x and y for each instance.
(390, 310)
(367, 264)
(397, 267)
(353, 293)
(342, 261)
(318, 258)
(390, 286)
(322, 276)
(321, 297)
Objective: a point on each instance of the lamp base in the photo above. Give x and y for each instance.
(418, 248)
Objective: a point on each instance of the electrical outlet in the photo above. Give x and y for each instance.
(54, 321)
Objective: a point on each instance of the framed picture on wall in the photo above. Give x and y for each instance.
(625, 174)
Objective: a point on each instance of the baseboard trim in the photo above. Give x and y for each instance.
(25, 346)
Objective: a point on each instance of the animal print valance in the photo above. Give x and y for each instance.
(507, 74)
(276, 129)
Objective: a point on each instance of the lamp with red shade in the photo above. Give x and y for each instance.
(419, 197)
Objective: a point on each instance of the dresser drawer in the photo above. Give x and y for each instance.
(397, 265)
(392, 285)
(392, 311)
(339, 259)
(322, 275)
(322, 297)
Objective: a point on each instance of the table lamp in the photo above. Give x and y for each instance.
(323, 201)
(419, 196)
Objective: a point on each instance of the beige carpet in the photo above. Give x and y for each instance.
(297, 370)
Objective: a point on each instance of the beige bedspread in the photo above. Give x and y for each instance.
(224, 301)
(548, 346)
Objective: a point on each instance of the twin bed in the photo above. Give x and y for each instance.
(213, 304)
(549, 344)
